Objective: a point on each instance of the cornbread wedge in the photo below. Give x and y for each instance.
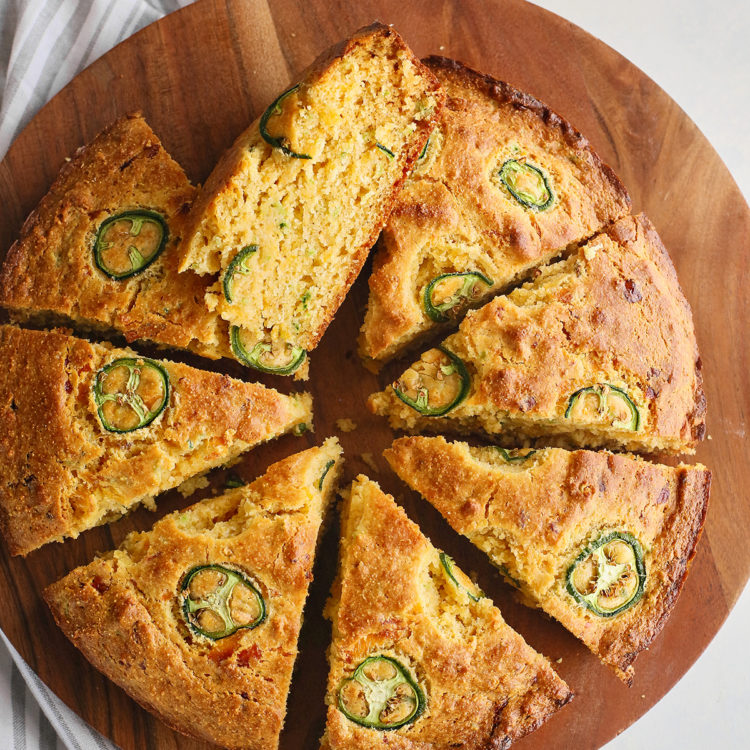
(503, 186)
(100, 249)
(599, 350)
(291, 211)
(599, 541)
(198, 619)
(420, 658)
(90, 431)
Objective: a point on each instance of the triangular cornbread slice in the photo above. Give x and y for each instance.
(598, 351)
(602, 542)
(198, 619)
(291, 211)
(90, 431)
(419, 657)
(503, 186)
(99, 251)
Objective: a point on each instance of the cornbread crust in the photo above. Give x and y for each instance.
(122, 610)
(613, 313)
(50, 275)
(452, 216)
(258, 195)
(61, 472)
(484, 686)
(534, 518)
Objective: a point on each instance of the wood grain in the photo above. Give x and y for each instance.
(200, 76)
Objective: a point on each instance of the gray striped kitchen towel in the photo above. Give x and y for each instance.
(43, 44)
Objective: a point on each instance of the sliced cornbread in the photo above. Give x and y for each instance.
(599, 350)
(100, 249)
(198, 619)
(90, 431)
(599, 541)
(420, 658)
(289, 214)
(503, 186)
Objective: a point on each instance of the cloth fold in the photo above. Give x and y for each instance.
(43, 45)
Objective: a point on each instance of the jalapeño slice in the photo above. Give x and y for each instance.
(608, 576)
(447, 295)
(515, 455)
(527, 184)
(423, 152)
(381, 694)
(280, 142)
(460, 579)
(218, 601)
(385, 150)
(436, 384)
(604, 404)
(129, 242)
(323, 476)
(130, 393)
(238, 265)
(277, 359)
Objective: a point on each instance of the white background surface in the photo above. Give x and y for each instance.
(699, 52)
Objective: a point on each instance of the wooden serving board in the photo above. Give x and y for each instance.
(200, 76)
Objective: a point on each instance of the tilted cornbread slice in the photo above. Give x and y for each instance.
(420, 658)
(599, 541)
(100, 248)
(90, 431)
(599, 350)
(503, 186)
(291, 211)
(198, 619)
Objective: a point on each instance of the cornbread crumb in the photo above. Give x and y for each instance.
(369, 459)
(346, 425)
(192, 485)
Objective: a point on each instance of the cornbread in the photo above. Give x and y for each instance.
(100, 249)
(458, 234)
(420, 658)
(198, 619)
(291, 211)
(90, 431)
(599, 541)
(598, 351)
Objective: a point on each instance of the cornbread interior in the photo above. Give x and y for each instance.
(50, 276)
(483, 685)
(362, 115)
(62, 473)
(534, 517)
(455, 215)
(611, 316)
(125, 610)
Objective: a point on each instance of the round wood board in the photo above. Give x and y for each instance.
(200, 76)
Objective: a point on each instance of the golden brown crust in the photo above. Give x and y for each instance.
(452, 216)
(612, 314)
(61, 472)
(218, 226)
(484, 685)
(535, 517)
(123, 613)
(50, 270)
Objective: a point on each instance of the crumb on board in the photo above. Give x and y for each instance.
(189, 486)
(558, 661)
(346, 424)
(370, 461)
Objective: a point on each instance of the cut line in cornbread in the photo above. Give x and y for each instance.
(198, 619)
(420, 657)
(288, 216)
(601, 542)
(90, 431)
(598, 351)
